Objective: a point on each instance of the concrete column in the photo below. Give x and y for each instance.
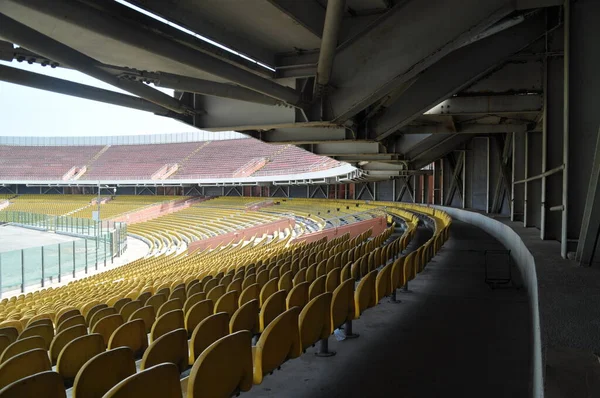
(533, 188)
(583, 86)
(518, 167)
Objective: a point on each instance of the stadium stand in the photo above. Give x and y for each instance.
(290, 293)
(192, 160)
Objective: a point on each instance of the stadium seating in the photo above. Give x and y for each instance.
(194, 160)
(294, 294)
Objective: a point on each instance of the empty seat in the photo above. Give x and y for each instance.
(191, 300)
(168, 306)
(274, 306)
(228, 360)
(101, 314)
(168, 322)
(107, 325)
(156, 301)
(179, 293)
(46, 384)
(268, 290)
(169, 348)
(21, 346)
(365, 296)
(11, 332)
(63, 338)
(4, 342)
(383, 283)
(129, 308)
(215, 293)
(245, 318)
(146, 314)
(236, 284)
(227, 303)
(90, 313)
(197, 313)
(298, 296)
(120, 303)
(72, 321)
(76, 353)
(103, 372)
(44, 331)
(66, 314)
(285, 281)
(299, 277)
(131, 334)
(333, 279)
(160, 381)
(317, 287)
(279, 342)
(25, 364)
(342, 304)
(251, 292)
(315, 320)
(207, 332)
(39, 321)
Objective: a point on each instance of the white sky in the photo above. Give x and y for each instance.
(26, 111)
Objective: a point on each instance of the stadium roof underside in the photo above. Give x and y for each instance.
(386, 85)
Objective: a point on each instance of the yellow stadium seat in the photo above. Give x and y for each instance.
(25, 364)
(279, 342)
(72, 321)
(166, 323)
(21, 346)
(299, 277)
(207, 332)
(268, 290)
(63, 338)
(223, 369)
(156, 301)
(146, 314)
(192, 300)
(103, 372)
(342, 304)
(197, 314)
(4, 342)
(131, 334)
(40, 321)
(101, 314)
(90, 313)
(179, 293)
(168, 306)
(46, 384)
(317, 287)
(171, 347)
(11, 332)
(245, 318)
(160, 381)
(66, 314)
(365, 295)
(215, 293)
(383, 283)
(274, 306)
(44, 331)
(120, 303)
(76, 353)
(251, 292)
(333, 279)
(227, 303)
(107, 325)
(315, 321)
(129, 308)
(236, 285)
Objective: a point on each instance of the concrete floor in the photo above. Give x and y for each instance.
(452, 336)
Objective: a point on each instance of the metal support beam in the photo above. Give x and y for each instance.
(400, 46)
(466, 128)
(503, 183)
(42, 82)
(539, 176)
(456, 167)
(331, 29)
(89, 18)
(455, 72)
(488, 104)
(26, 37)
(308, 14)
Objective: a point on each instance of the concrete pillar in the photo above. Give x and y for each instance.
(583, 59)
(534, 188)
(518, 167)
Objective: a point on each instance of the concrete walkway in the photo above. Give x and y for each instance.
(452, 336)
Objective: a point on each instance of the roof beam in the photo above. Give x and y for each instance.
(435, 148)
(89, 18)
(345, 148)
(333, 22)
(488, 104)
(470, 128)
(26, 37)
(453, 73)
(302, 135)
(401, 45)
(47, 83)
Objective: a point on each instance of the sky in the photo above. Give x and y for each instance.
(26, 111)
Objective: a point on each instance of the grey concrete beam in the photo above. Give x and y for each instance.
(471, 128)
(454, 72)
(333, 22)
(89, 18)
(302, 135)
(42, 82)
(436, 149)
(401, 45)
(345, 148)
(490, 104)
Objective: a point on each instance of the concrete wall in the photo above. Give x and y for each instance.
(378, 225)
(245, 234)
